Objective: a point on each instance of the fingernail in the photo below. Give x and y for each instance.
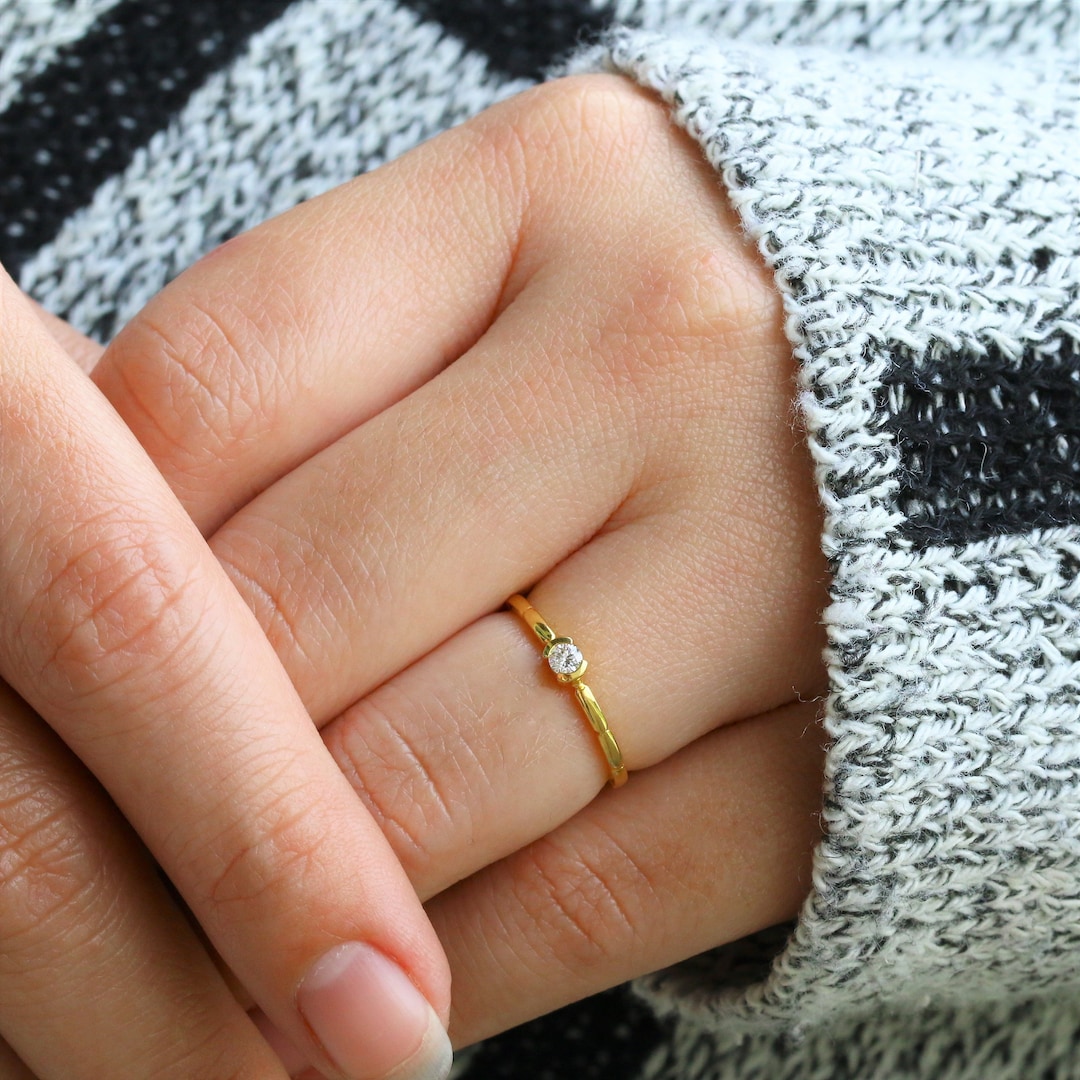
(371, 1020)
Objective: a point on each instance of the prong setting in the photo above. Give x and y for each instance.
(565, 660)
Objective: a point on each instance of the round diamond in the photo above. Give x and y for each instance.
(564, 658)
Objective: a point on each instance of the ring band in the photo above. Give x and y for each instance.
(565, 660)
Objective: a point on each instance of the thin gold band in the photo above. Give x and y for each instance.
(566, 661)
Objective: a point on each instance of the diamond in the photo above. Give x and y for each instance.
(564, 658)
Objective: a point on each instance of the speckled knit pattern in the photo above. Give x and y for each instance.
(969, 28)
(923, 225)
(909, 170)
(1012, 1039)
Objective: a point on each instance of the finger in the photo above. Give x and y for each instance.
(591, 401)
(697, 577)
(284, 338)
(476, 749)
(711, 845)
(99, 974)
(84, 351)
(120, 629)
(354, 562)
(229, 378)
(415, 524)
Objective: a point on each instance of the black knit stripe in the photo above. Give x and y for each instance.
(103, 96)
(31, 34)
(605, 1037)
(990, 445)
(520, 38)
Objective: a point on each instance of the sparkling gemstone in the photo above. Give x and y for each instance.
(564, 658)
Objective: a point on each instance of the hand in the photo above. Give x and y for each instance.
(118, 627)
(533, 355)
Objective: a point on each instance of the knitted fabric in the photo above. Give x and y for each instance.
(909, 172)
(922, 222)
(1010, 1039)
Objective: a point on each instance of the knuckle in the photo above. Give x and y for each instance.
(181, 373)
(599, 119)
(408, 775)
(693, 297)
(685, 291)
(264, 873)
(277, 575)
(590, 899)
(206, 1058)
(198, 1043)
(198, 377)
(47, 862)
(692, 321)
(307, 574)
(562, 148)
(116, 606)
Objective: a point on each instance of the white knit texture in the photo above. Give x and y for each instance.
(900, 205)
(952, 28)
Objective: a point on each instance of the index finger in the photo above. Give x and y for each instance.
(120, 628)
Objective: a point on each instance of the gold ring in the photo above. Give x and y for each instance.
(565, 659)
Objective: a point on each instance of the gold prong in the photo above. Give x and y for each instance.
(606, 740)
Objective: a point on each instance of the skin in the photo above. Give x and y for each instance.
(533, 355)
(120, 630)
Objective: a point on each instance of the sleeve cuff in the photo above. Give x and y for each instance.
(920, 220)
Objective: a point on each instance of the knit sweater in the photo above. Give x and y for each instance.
(910, 172)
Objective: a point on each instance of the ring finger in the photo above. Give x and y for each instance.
(476, 749)
(710, 845)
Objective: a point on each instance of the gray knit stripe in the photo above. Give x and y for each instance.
(328, 91)
(33, 31)
(900, 207)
